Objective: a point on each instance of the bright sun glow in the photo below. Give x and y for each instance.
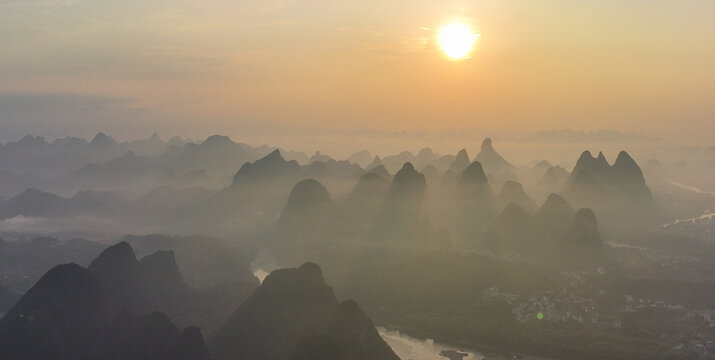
(457, 40)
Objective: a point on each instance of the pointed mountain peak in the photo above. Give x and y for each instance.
(474, 174)
(543, 165)
(274, 155)
(116, 256)
(462, 156)
(272, 165)
(487, 144)
(585, 157)
(461, 161)
(380, 170)
(375, 163)
(491, 160)
(583, 229)
(102, 140)
(408, 174)
(624, 161)
(602, 159)
(555, 206)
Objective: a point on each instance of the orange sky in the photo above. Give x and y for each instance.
(255, 68)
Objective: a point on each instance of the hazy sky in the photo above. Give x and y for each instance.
(280, 68)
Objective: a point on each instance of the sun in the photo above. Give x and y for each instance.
(457, 40)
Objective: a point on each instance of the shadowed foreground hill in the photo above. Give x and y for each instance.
(65, 317)
(294, 314)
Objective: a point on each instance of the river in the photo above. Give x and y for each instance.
(410, 348)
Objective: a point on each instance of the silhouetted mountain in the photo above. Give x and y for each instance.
(202, 261)
(102, 140)
(432, 175)
(583, 232)
(512, 231)
(400, 217)
(631, 176)
(319, 157)
(304, 219)
(613, 190)
(67, 315)
(375, 163)
(35, 203)
(491, 160)
(217, 155)
(60, 317)
(542, 166)
(161, 270)
(551, 181)
(444, 162)
(474, 204)
(513, 192)
(460, 162)
(290, 305)
(360, 208)
(272, 165)
(394, 162)
(553, 218)
(156, 284)
(295, 315)
(381, 171)
(123, 279)
(473, 174)
(151, 147)
(425, 156)
(362, 158)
